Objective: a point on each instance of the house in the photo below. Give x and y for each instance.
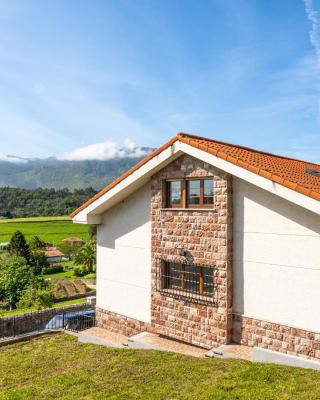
(75, 240)
(211, 243)
(54, 256)
(4, 245)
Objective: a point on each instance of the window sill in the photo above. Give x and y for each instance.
(192, 297)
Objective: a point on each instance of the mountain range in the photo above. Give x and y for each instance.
(51, 172)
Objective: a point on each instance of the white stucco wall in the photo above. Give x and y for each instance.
(276, 259)
(124, 257)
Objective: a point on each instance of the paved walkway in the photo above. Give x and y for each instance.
(146, 340)
(102, 337)
(160, 343)
(235, 351)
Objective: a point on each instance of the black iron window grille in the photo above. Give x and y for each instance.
(189, 281)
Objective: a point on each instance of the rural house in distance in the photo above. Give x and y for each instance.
(211, 243)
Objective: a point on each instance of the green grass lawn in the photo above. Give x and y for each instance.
(68, 275)
(56, 305)
(64, 274)
(58, 367)
(52, 231)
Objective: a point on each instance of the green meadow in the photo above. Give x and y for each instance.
(49, 229)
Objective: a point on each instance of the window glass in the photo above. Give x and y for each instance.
(192, 278)
(174, 193)
(207, 280)
(174, 275)
(208, 191)
(194, 192)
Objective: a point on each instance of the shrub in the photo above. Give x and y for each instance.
(90, 276)
(80, 271)
(52, 269)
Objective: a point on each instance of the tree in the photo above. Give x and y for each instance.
(67, 249)
(18, 246)
(8, 215)
(37, 243)
(38, 296)
(86, 255)
(92, 232)
(38, 261)
(15, 276)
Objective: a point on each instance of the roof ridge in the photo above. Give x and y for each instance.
(189, 135)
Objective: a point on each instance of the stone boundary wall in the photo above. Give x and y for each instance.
(20, 324)
(120, 323)
(276, 337)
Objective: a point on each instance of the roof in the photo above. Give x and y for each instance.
(53, 253)
(286, 171)
(73, 240)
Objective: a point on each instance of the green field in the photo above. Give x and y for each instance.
(33, 219)
(58, 367)
(48, 229)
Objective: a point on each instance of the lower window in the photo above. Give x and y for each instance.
(187, 280)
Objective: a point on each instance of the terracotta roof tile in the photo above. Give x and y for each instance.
(53, 253)
(286, 171)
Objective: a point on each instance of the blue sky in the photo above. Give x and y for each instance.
(75, 73)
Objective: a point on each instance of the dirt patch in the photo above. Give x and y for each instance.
(69, 288)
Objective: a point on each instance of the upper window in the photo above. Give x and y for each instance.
(193, 193)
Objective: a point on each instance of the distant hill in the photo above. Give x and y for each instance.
(20, 203)
(57, 174)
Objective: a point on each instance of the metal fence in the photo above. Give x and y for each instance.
(74, 320)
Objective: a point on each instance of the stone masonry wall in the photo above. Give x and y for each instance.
(120, 323)
(206, 235)
(268, 335)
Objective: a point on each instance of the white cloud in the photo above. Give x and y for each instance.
(313, 17)
(104, 151)
(314, 34)
(13, 159)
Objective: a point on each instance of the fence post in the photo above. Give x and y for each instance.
(62, 319)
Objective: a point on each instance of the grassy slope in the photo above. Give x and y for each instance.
(57, 367)
(48, 230)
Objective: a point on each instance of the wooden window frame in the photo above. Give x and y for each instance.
(185, 193)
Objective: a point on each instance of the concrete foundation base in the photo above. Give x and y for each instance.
(269, 356)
